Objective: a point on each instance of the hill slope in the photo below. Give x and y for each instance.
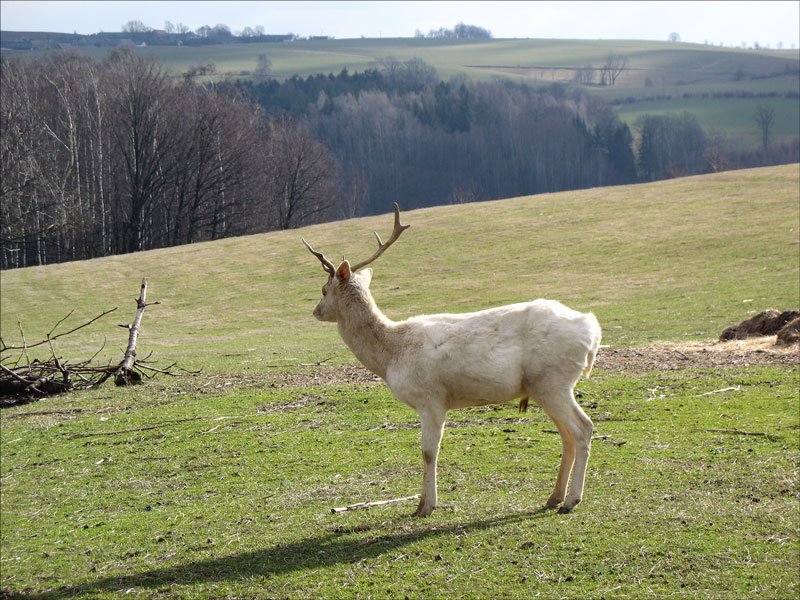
(720, 86)
(547, 60)
(678, 259)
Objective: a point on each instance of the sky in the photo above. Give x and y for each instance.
(715, 22)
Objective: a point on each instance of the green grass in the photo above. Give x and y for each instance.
(735, 117)
(237, 502)
(679, 259)
(221, 484)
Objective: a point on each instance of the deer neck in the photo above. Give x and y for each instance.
(369, 334)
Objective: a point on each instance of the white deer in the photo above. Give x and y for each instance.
(435, 363)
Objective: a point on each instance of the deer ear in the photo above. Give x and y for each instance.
(343, 272)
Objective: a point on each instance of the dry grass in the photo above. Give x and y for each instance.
(755, 345)
(673, 260)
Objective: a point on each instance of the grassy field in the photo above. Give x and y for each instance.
(734, 117)
(221, 484)
(654, 69)
(227, 493)
(678, 259)
(546, 60)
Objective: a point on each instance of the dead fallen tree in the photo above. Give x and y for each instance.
(23, 380)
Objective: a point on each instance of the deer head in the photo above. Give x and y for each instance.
(347, 280)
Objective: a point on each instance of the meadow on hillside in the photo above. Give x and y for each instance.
(673, 72)
(663, 70)
(675, 260)
(221, 483)
(678, 259)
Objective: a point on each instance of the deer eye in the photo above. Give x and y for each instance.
(324, 291)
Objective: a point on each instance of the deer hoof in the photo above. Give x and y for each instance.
(567, 507)
(553, 502)
(423, 510)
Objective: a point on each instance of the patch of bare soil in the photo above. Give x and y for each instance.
(297, 377)
(758, 351)
(761, 351)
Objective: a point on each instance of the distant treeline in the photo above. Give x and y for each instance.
(399, 132)
(177, 34)
(727, 95)
(107, 158)
(113, 157)
(461, 31)
(206, 36)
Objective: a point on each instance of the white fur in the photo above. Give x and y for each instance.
(435, 363)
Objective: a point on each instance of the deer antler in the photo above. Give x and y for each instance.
(326, 264)
(398, 229)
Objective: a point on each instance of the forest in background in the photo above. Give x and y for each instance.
(107, 157)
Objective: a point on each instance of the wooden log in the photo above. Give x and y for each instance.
(125, 374)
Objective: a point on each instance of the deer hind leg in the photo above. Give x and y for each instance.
(432, 429)
(565, 468)
(583, 446)
(575, 428)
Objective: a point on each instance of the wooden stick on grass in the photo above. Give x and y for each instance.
(360, 505)
(735, 388)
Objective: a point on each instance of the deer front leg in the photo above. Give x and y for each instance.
(432, 428)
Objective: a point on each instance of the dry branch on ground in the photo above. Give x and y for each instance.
(23, 380)
(363, 505)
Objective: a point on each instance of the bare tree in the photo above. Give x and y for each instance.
(263, 65)
(467, 192)
(301, 174)
(209, 197)
(136, 27)
(585, 75)
(353, 196)
(615, 64)
(195, 71)
(50, 146)
(19, 170)
(716, 158)
(182, 29)
(144, 139)
(764, 118)
(111, 157)
(670, 145)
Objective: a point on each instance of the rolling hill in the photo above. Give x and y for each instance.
(720, 86)
(222, 484)
(672, 260)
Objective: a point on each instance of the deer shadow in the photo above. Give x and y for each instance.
(318, 551)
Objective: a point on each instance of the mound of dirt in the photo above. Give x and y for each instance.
(789, 333)
(769, 322)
